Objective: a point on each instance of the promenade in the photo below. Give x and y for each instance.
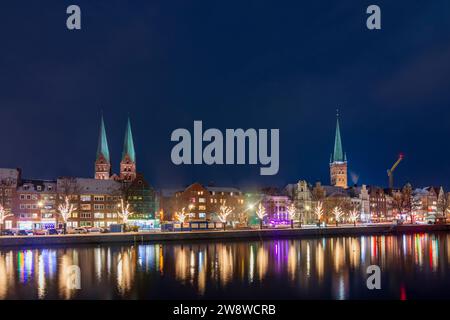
(246, 234)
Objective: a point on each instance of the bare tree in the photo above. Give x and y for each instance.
(261, 213)
(65, 210)
(330, 203)
(224, 212)
(318, 211)
(3, 216)
(402, 201)
(68, 191)
(124, 211)
(354, 215)
(292, 211)
(338, 213)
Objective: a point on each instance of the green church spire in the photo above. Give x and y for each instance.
(102, 148)
(338, 155)
(128, 144)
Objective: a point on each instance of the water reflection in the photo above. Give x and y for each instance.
(331, 268)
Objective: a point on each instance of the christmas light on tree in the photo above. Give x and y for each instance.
(318, 211)
(181, 216)
(224, 212)
(261, 213)
(338, 213)
(3, 216)
(354, 215)
(125, 211)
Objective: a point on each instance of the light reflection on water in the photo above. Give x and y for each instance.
(413, 266)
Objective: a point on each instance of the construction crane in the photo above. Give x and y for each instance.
(390, 172)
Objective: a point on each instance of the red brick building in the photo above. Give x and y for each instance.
(202, 202)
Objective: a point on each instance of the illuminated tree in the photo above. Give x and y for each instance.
(181, 216)
(292, 211)
(65, 210)
(3, 216)
(354, 215)
(125, 211)
(261, 213)
(338, 213)
(318, 211)
(224, 212)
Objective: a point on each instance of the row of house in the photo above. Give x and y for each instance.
(34, 204)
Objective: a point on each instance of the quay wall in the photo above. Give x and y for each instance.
(254, 234)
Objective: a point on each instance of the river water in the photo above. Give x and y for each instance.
(413, 266)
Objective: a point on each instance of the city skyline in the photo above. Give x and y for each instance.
(337, 155)
(278, 68)
(224, 159)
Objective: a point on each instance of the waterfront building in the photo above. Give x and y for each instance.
(276, 209)
(9, 180)
(35, 204)
(144, 203)
(203, 202)
(306, 197)
(379, 205)
(96, 201)
(425, 202)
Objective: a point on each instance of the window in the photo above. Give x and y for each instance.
(201, 200)
(85, 198)
(202, 215)
(99, 206)
(99, 215)
(85, 215)
(201, 208)
(85, 207)
(99, 198)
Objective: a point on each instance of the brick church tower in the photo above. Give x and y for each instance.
(102, 161)
(338, 161)
(128, 162)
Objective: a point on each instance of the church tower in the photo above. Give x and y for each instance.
(338, 161)
(102, 161)
(128, 162)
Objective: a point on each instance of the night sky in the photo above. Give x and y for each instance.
(231, 64)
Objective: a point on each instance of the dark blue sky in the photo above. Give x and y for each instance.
(248, 64)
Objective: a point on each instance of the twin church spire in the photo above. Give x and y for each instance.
(103, 161)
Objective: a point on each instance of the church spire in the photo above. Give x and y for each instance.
(128, 162)
(102, 160)
(338, 155)
(128, 143)
(102, 148)
(338, 161)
